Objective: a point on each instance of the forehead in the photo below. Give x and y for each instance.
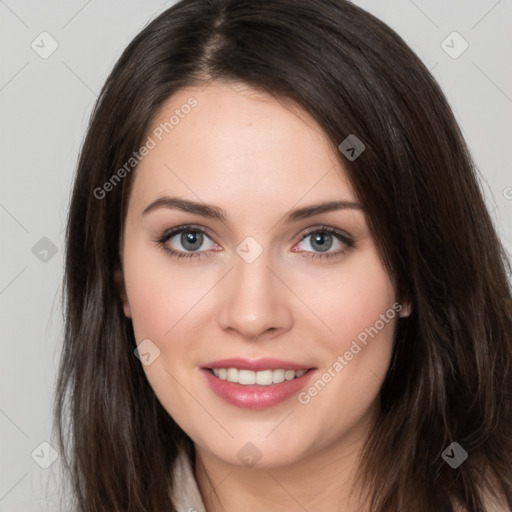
(236, 145)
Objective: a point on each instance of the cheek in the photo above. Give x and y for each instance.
(163, 298)
(160, 292)
(358, 304)
(347, 301)
(367, 296)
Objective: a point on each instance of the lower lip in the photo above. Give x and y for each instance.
(255, 396)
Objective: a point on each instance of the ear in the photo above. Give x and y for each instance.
(121, 291)
(406, 309)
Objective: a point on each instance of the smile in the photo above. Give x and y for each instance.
(250, 383)
(261, 378)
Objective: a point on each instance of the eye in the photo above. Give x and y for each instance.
(192, 240)
(322, 239)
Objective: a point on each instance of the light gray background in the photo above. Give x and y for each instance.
(44, 108)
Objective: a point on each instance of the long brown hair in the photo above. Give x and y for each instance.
(450, 379)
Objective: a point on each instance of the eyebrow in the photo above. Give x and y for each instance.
(215, 212)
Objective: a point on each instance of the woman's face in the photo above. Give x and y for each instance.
(266, 280)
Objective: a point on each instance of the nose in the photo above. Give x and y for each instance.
(255, 300)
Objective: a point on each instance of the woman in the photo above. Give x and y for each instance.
(338, 334)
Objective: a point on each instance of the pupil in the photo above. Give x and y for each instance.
(191, 237)
(320, 238)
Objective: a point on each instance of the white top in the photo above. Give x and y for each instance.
(185, 492)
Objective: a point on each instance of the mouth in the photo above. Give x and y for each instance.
(258, 388)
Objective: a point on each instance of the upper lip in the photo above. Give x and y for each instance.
(266, 363)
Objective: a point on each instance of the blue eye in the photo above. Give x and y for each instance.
(190, 237)
(193, 237)
(323, 239)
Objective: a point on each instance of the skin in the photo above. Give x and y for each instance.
(257, 158)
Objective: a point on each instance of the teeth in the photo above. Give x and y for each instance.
(263, 377)
(246, 377)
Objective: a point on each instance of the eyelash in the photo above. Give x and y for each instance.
(161, 241)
